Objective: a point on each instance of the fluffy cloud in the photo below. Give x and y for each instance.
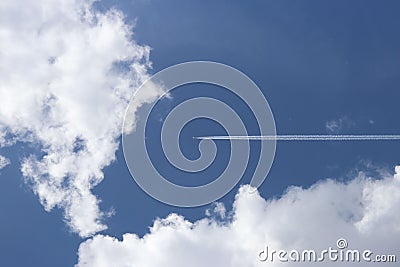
(364, 211)
(4, 162)
(67, 73)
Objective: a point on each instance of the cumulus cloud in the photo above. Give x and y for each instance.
(364, 211)
(4, 162)
(67, 74)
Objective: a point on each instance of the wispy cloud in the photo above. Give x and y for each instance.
(337, 126)
(4, 162)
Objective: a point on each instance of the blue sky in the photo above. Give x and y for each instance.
(318, 63)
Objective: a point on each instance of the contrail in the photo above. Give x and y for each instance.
(302, 137)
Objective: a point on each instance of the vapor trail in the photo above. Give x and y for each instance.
(302, 137)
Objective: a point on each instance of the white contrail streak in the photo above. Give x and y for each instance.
(302, 137)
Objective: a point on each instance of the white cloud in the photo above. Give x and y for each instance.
(67, 73)
(338, 125)
(4, 162)
(218, 210)
(364, 211)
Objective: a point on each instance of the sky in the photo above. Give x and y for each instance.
(70, 68)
